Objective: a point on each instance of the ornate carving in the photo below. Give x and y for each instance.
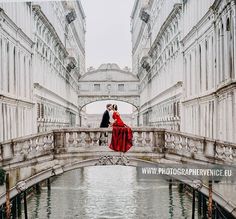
(113, 160)
(21, 186)
(84, 100)
(197, 184)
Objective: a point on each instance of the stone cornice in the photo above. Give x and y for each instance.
(179, 84)
(77, 38)
(217, 92)
(134, 8)
(10, 23)
(146, 106)
(80, 8)
(174, 11)
(14, 99)
(109, 81)
(46, 22)
(39, 86)
(197, 26)
(140, 34)
(115, 70)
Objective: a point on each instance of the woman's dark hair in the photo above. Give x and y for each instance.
(114, 106)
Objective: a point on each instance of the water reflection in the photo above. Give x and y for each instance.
(108, 192)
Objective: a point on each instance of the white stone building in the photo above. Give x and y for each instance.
(184, 55)
(209, 48)
(16, 57)
(59, 45)
(157, 60)
(41, 59)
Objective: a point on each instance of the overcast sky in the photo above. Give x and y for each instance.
(108, 38)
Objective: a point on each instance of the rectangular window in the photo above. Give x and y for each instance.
(121, 87)
(38, 110)
(96, 87)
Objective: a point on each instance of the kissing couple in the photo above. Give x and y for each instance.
(121, 133)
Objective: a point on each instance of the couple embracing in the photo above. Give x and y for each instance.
(121, 133)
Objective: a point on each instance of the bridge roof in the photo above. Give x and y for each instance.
(109, 72)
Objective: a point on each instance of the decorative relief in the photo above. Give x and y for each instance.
(113, 160)
(134, 100)
(21, 186)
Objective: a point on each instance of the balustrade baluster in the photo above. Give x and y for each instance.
(134, 140)
(32, 147)
(95, 138)
(147, 139)
(79, 139)
(87, 138)
(103, 139)
(140, 139)
(70, 139)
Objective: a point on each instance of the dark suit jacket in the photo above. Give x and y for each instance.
(105, 120)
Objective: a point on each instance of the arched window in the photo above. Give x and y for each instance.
(228, 25)
(230, 45)
(222, 52)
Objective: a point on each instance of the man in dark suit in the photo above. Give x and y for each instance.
(105, 119)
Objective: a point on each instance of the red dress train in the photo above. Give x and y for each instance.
(121, 135)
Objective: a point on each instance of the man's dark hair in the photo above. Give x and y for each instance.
(108, 105)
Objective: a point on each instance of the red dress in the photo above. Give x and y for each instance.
(121, 135)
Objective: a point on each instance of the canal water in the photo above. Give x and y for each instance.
(108, 192)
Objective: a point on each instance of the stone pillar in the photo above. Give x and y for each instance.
(1, 121)
(234, 114)
(230, 130)
(1, 64)
(233, 6)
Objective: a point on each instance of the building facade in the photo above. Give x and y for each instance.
(209, 103)
(157, 60)
(16, 58)
(184, 55)
(42, 56)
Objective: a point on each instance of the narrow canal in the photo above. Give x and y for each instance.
(111, 192)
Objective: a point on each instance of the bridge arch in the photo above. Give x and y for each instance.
(130, 101)
(108, 82)
(104, 161)
(31, 159)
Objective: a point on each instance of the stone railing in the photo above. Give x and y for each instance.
(146, 138)
(199, 148)
(84, 138)
(25, 148)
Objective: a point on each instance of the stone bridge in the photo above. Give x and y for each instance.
(34, 158)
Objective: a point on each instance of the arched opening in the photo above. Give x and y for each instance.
(91, 113)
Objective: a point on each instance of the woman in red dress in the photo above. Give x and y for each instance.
(121, 133)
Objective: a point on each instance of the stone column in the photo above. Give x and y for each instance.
(229, 131)
(234, 114)
(1, 121)
(233, 6)
(1, 65)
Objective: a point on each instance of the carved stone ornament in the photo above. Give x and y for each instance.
(197, 184)
(113, 160)
(21, 186)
